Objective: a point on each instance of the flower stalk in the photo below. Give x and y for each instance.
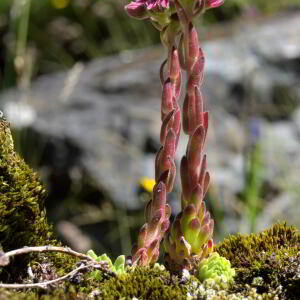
(189, 239)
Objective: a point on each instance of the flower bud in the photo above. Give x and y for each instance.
(137, 10)
(213, 3)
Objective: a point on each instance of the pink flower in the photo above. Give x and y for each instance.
(138, 8)
(213, 3)
(157, 4)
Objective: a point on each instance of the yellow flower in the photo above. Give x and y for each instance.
(60, 4)
(147, 183)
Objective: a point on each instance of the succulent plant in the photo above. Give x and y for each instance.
(189, 240)
(117, 267)
(217, 268)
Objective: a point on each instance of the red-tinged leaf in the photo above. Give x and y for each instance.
(201, 60)
(206, 218)
(210, 245)
(171, 177)
(166, 124)
(176, 121)
(184, 178)
(154, 225)
(177, 137)
(148, 209)
(168, 151)
(194, 225)
(164, 226)
(183, 201)
(195, 148)
(185, 115)
(192, 233)
(164, 176)
(202, 171)
(159, 197)
(192, 113)
(197, 197)
(184, 247)
(153, 245)
(205, 121)
(177, 88)
(157, 163)
(142, 237)
(161, 72)
(165, 168)
(154, 257)
(174, 65)
(193, 43)
(196, 75)
(157, 216)
(188, 214)
(181, 53)
(206, 183)
(168, 211)
(174, 101)
(199, 106)
(204, 234)
(211, 226)
(141, 257)
(201, 212)
(167, 97)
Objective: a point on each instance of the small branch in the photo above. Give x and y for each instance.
(43, 285)
(4, 257)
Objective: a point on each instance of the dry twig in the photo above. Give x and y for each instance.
(5, 259)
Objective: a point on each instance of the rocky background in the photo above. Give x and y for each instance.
(92, 133)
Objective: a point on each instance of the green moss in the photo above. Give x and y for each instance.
(69, 293)
(22, 214)
(268, 261)
(144, 283)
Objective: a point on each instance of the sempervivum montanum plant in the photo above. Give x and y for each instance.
(189, 239)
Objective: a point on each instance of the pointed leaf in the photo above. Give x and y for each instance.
(159, 197)
(184, 178)
(206, 183)
(193, 43)
(166, 98)
(195, 148)
(185, 115)
(199, 107)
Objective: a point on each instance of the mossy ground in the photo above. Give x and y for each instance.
(267, 264)
(22, 214)
(23, 219)
(268, 261)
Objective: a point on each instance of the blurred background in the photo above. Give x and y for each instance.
(79, 83)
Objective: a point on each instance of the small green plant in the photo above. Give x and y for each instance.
(217, 268)
(118, 267)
